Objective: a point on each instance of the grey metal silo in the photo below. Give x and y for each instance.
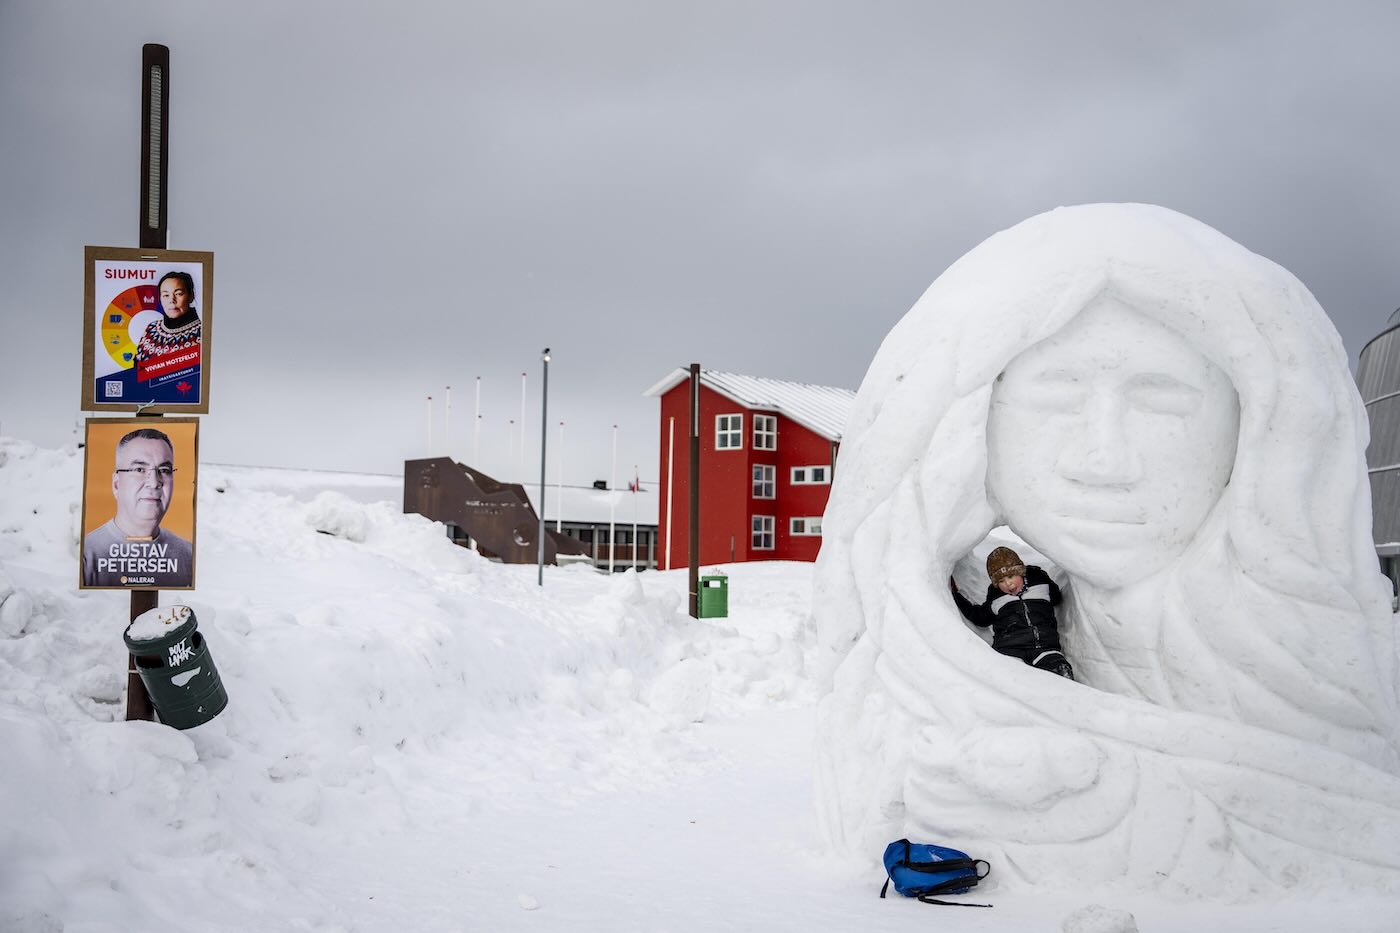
(1378, 377)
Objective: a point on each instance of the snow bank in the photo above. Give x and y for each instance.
(371, 665)
(1171, 420)
(1099, 919)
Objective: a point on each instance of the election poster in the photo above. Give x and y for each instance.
(146, 332)
(138, 504)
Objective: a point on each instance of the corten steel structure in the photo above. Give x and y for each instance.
(496, 518)
(767, 456)
(1378, 377)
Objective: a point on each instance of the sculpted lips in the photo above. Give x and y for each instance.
(1109, 513)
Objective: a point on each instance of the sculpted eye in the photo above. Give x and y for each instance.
(1162, 394)
(1053, 391)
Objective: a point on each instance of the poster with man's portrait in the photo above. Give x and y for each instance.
(139, 481)
(147, 318)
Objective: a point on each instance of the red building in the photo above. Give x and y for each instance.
(767, 455)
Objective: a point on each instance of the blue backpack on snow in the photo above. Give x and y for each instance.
(922, 871)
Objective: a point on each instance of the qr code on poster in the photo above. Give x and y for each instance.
(114, 388)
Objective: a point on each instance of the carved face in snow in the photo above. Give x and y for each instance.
(1109, 442)
(1086, 377)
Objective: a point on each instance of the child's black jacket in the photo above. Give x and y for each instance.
(1026, 620)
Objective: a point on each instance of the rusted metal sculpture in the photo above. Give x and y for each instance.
(494, 517)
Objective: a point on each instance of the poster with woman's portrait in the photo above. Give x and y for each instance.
(138, 504)
(146, 332)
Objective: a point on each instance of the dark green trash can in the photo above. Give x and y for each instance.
(714, 597)
(175, 665)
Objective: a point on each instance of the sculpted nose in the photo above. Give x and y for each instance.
(1100, 452)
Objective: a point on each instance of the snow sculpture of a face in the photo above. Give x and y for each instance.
(1109, 442)
(1171, 420)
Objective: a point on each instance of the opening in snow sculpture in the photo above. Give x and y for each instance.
(1171, 420)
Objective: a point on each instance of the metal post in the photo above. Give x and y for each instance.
(152, 222)
(559, 483)
(476, 428)
(544, 437)
(520, 459)
(694, 490)
(612, 505)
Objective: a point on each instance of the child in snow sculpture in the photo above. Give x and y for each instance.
(1171, 420)
(1020, 608)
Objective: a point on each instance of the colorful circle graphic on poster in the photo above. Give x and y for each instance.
(117, 336)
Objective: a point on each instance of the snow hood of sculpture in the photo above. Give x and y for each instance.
(1171, 420)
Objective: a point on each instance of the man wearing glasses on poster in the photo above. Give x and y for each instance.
(132, 550)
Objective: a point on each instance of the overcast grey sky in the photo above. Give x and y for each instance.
(410, 195)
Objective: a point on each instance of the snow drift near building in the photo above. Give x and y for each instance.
(388, 692)
(1170, 419)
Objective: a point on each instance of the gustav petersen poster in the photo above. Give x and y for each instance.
(138, 504)
(147, 322)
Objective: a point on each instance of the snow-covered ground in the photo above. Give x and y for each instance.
(419, 740)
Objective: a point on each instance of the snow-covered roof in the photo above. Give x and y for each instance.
(588, 505)
(823, 409)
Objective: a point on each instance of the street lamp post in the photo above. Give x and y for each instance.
(544, 437)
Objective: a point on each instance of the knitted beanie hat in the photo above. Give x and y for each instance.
(1004, 562)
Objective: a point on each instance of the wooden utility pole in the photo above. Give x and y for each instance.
(155, 134)
(694, 490)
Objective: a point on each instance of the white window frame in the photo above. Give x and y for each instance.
(805, 526)
(762, 527)
(765, 479)
(726, 431)
(801, 475)
(765, 432)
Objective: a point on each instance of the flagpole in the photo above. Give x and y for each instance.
(636, 488)
(521, 468)
(430, 426)
(476, 428)
(559, 483)
(612, 504)
(447, 423)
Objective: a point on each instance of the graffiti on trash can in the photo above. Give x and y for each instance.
(180, 652)
(179, 680)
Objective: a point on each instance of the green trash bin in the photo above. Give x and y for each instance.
(175, 665)
(714, 597)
